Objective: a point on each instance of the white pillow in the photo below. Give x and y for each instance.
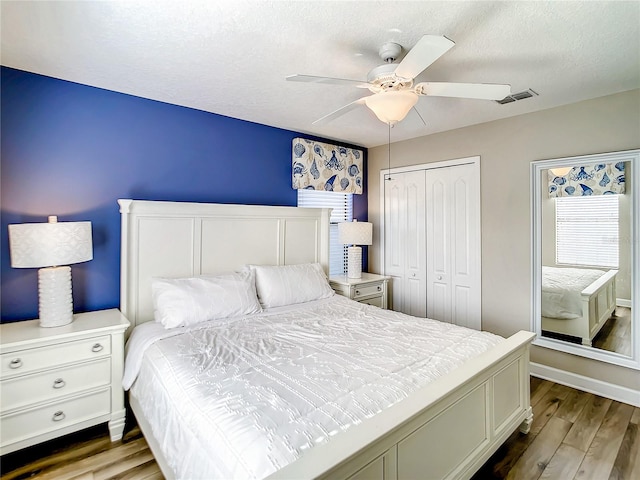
(185, 301)
(289, 284)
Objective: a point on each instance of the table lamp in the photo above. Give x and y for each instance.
(54, 246)
(355, 233)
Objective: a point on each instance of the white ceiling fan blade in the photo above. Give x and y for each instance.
(482, 91)
(327, 80)
(339, 112)
(428, 49)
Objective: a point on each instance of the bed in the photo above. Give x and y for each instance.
(443, 427)
(577, 301)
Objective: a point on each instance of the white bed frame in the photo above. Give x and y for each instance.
(598, 303)
(446, 430)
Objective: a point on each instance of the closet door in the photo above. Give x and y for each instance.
(405, 256)
(453, 245)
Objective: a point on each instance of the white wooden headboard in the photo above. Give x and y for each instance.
(180, 239)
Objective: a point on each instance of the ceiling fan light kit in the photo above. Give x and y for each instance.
(392, 85)
(391, 106)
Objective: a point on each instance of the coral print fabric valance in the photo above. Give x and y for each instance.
(599, 179)
(322, 166)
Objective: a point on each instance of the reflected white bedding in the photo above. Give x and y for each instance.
(562, 288)
(241, 398)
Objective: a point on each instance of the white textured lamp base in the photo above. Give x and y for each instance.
(54, 294)
(354, 262)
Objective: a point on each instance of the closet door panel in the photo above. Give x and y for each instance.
(415, 263)
(404, 241)
(439, 305)
(462, 307)
(394, 219)
(465, 254)
(437, 244)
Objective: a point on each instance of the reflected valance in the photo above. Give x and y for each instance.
(323, 166)
(598, 179)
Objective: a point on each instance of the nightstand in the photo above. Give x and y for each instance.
(54, 381)
(370, 289)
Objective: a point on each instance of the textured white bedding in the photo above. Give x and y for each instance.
(241, 398)
(562, 288)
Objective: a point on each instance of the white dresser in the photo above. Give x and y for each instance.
(58, 380)
(370, 288)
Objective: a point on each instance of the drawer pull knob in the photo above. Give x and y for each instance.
(379, 289)
(15, 363)
(97, 348)
(58, 416)
(58, 383)
(357, 292)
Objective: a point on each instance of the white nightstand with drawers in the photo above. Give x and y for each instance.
(58, 380)
(370, 289)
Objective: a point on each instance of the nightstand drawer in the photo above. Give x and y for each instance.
(27, 423)
(52, 384)
(24, 361)
(375, 301)
(362, 291)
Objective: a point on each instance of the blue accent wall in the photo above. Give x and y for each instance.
(72, 150)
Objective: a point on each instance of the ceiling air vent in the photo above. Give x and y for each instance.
(517, 96)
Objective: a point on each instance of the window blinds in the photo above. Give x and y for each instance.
(587, 230)
(342, 211)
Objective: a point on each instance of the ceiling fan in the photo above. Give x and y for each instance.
(392, 84)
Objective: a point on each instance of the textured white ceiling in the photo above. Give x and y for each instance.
(231, 57)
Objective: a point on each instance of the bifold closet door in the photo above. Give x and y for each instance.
(453, 245)
(404, 220)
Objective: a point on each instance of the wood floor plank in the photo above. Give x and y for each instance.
(564, 464)
(547, 407)
(538, 455)
(588, 422)
(123, 465)
(603, 451)
(534, 383)
(140, 472)
(540, 391)
(571, 407)
(94, 462)
(503, 460)
(635, 418)
(627, 463)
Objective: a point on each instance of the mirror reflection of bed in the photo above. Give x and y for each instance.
(586, 299)
(579, 306)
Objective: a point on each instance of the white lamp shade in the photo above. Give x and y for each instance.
(355, 233)
(35, 245)
(392, 106)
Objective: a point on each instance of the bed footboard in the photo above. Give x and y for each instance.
(446, 430)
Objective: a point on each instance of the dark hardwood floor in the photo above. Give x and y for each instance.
(575, 435)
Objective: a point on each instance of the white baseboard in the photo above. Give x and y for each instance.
(623, 302)
(587, 384)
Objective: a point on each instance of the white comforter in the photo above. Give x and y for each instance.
(562, 290)
(243, 397)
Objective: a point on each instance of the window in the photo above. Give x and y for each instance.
(342, 205)
(587, 231)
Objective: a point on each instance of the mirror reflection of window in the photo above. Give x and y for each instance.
(587, 231)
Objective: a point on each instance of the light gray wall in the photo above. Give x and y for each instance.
(507, 147)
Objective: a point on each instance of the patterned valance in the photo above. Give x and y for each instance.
(599, 179)
(322, 166)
